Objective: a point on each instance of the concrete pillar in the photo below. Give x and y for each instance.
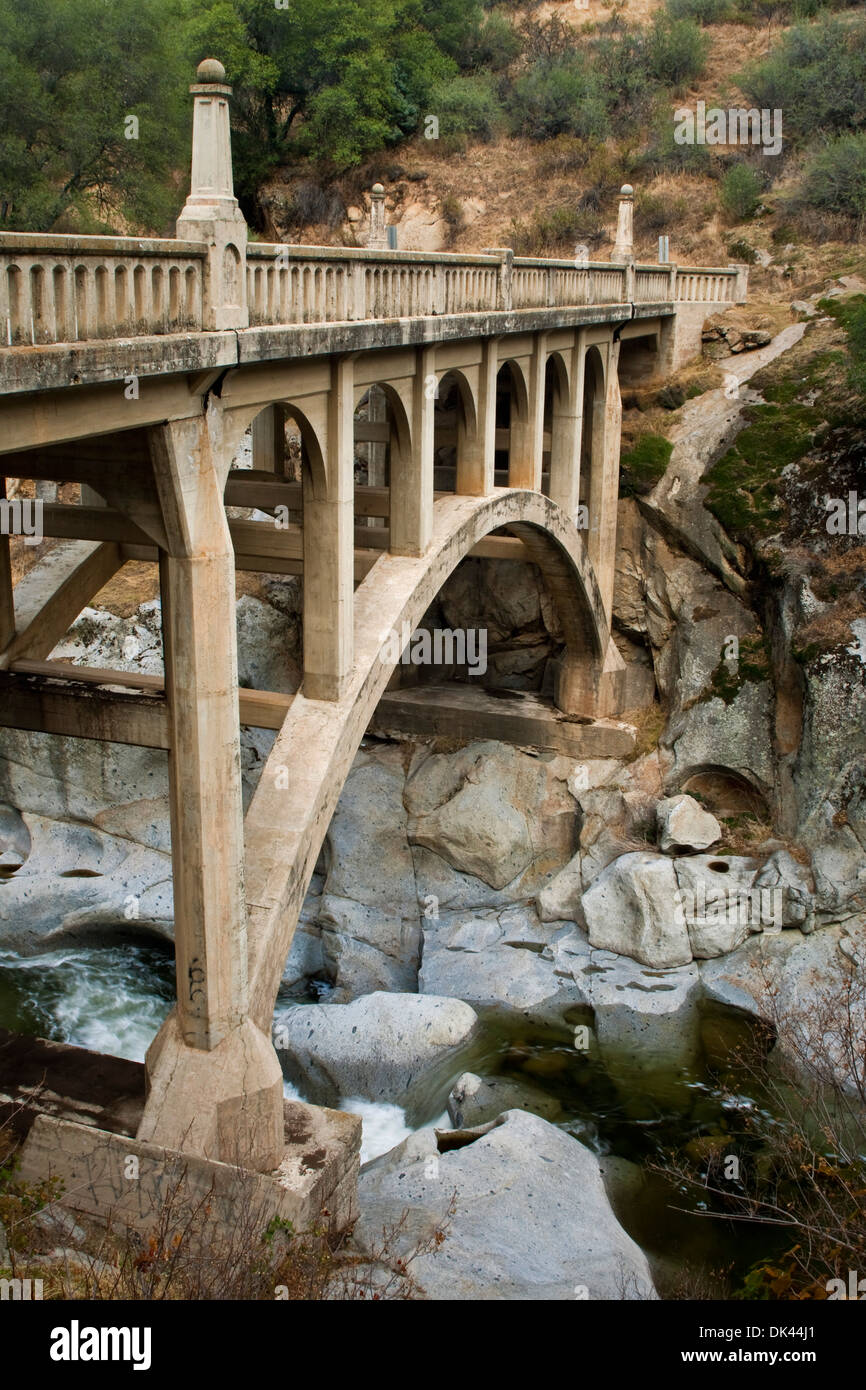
(604, 480)
(476, 453)
(269, 440)
(378, 240)
(566, 435)
(329, 548)
(7, 603)
(214, 1081)
(412, 478)
(505, 278)
(623, 249)
(211, 213)
(526, 444)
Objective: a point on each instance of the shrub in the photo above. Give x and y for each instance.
(468, 106)
(653, 211)
(677, 50)
(559, 99)
(834, 179)
(816, 75)
(742, 252)
(495, 46)
(559, 230)
(741, 192)
(701, 11)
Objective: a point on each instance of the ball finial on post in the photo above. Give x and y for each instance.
(211, 213)
(623, 249)
(210, 70)
(378, 234)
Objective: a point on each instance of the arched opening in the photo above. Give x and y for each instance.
(454, 425)
(512, 424)
(725, 792)
(557, 460)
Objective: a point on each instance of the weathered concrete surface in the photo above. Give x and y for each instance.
(319, 1169)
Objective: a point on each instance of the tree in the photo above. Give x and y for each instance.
(329, 79)
(93, 114)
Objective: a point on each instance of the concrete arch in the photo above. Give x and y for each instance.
(241, 421)
(398, 418)
(313, 752)
(561, 369)
(467, 395)
(445, 475)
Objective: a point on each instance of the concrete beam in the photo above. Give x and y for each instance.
(50, 596)
(517, 717)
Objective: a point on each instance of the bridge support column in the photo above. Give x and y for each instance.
(214, 1080)
(604, 480)
(329, 548)
(565, 437)
(477, 456)
(527, 432)
(412, 482)
(269, 440)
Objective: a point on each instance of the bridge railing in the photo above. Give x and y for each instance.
(60, 289)
(66, 289)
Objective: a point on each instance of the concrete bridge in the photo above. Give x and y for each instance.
(486, 391)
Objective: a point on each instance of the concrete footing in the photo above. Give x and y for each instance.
(107, 1173)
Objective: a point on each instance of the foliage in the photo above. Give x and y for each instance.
(71, 72)
(816, 75)
(561, 98)
(702, 11)
(332, 80)
(644, 464)
(741, 192)
(468, 106)
(834, 179)
(677, 50)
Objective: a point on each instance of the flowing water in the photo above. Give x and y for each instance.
(113, 999)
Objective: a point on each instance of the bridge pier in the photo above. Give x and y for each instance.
(214, 1081)
(329, 547)
(412, 482)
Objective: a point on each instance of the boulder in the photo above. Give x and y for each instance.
(76, 880)
(782, 874)
(559, 899)
(490, 813)
(475, 1099)
(683, 824)
(734, 738)
(719, 905)
(368, 914)
(478, 832)
(499, 962)
(387, 1047)
(531, 1219)
(632, 909)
